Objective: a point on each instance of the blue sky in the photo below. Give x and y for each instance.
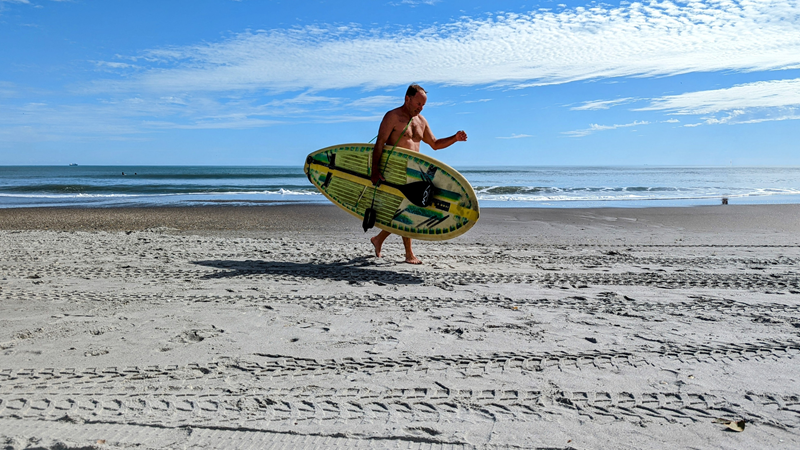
(533, 83)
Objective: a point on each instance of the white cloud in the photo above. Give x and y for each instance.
(595, 127)
(419, 2)
(305, 98)
(727, 119)
(757, 102)
(654, 39)
(376, 101)
(224, 84)
(515, 136)
(114, 65)
(794, 115)
(762, 94)
(231, 123)
(139, 115)
(602, 104)
(757, 115)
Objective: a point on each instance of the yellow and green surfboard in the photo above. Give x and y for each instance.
(422, 198)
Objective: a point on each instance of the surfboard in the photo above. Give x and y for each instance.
(422, 198)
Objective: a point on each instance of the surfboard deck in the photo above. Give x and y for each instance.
(342, 173)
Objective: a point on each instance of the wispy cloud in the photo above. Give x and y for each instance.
(256, 79)
(234, 122)
(515, 136)
(413, 3)
(139, 115)
(757, 102)
(114, 65)
(376, 101)
(602, 104)
(654, 39)
(595, 127)
(762, 94)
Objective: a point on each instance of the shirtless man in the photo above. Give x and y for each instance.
(391, 132)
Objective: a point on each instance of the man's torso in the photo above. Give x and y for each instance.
(412, 136)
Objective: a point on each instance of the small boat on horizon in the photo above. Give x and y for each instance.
(72, 164)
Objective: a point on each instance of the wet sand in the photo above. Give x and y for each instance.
(234, 327)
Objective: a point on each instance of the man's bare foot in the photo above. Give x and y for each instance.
(413, 260)
(377, 244)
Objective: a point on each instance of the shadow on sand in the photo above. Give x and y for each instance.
(353, 271)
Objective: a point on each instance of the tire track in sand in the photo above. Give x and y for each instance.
(429, 404)
(268, 367)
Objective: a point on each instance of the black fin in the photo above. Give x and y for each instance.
(419, 193)
(369, 219)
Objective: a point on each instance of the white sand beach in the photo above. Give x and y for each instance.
(276, 327)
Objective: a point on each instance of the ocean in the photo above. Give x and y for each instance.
(528, 187)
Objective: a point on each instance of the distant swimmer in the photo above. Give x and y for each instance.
(405, 127)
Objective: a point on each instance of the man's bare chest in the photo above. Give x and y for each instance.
(413, 132)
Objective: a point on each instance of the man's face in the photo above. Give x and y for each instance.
(416, 103)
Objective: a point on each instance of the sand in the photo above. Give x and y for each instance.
(265, 327)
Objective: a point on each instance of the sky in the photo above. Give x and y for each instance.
(224, 82)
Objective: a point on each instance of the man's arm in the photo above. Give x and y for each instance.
(384, 131)
(438, 144)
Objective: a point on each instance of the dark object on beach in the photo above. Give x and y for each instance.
(591, 339)
(724, 200)
(734, 425)
(369, 219)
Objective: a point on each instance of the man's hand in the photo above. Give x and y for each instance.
(438, 144)
(377, 178)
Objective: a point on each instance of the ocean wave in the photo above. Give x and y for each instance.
(281, 191)
(506, 194)
(200, 176)
(543, 190)
(496, 186)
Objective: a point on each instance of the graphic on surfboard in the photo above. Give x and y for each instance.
(422, 198)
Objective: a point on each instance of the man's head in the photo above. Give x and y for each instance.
(415, 99)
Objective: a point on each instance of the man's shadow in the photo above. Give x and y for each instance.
(354, 270)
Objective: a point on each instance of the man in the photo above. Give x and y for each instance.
(405, 127)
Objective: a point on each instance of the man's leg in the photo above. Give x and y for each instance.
(410, 258)
(377, 241)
